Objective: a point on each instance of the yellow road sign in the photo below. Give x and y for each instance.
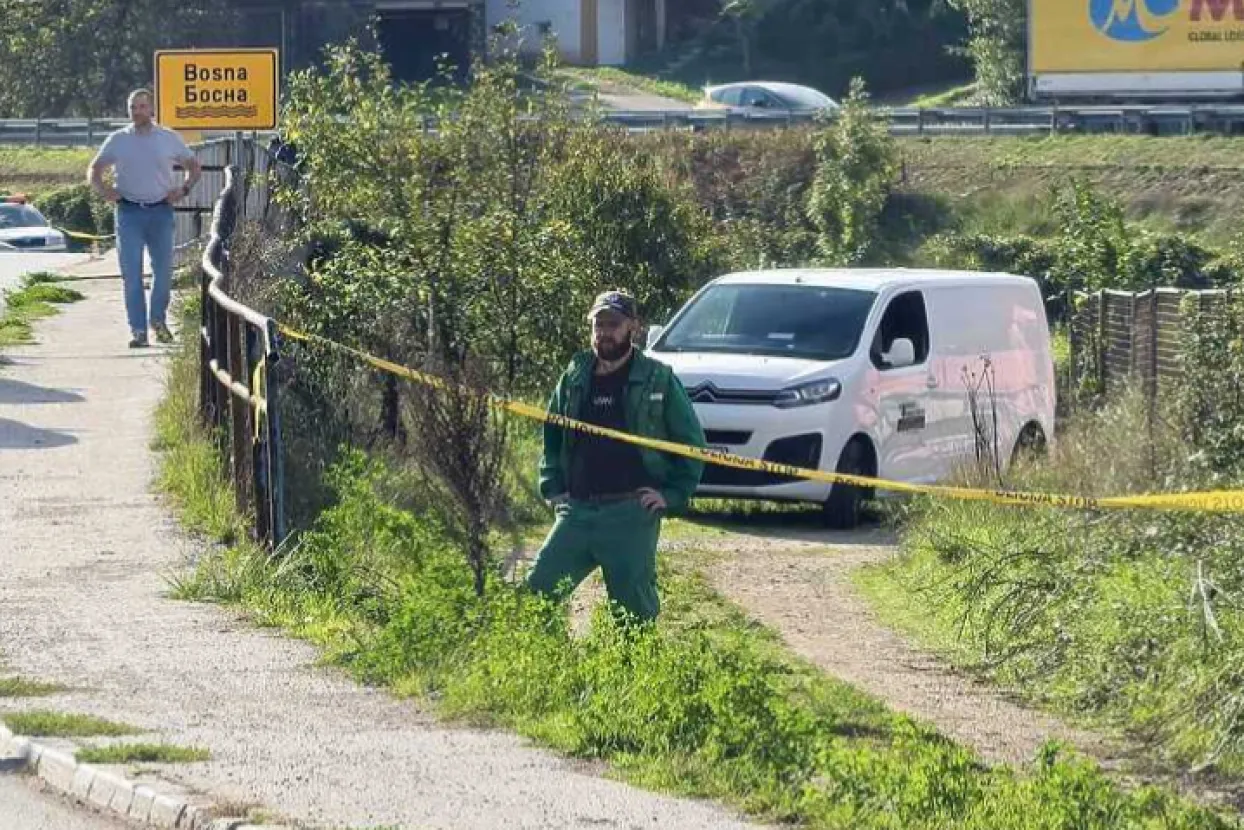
(217, 89)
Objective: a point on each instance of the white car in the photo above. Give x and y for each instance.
(23, 228)
(863, 371)
(766, 97)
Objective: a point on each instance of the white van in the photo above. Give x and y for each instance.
(863, 371)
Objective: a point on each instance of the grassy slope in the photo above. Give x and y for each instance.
(1193, 184)
(33, 171)
(610, 80)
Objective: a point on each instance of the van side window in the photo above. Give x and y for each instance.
(904, 317)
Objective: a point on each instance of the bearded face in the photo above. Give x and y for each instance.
(612, 334)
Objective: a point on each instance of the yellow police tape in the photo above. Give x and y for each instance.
(86, 236)
(259, 393)
(1222, 501)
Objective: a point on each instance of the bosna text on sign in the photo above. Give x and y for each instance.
(216, 89)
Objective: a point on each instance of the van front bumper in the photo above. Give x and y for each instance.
(795, 442)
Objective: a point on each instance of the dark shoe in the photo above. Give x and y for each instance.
(138, 340)
(162, 333)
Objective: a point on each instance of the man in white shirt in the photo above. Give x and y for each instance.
(143, 155)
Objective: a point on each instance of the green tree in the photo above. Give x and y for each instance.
(857, 163)
(81, 57)
(464, 231)
(998, 30)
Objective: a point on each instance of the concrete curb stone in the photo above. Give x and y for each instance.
(111, 793)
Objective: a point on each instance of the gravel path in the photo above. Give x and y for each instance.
(83, 551)
(798, 582)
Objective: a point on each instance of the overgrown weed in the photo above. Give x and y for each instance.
(1127, 618)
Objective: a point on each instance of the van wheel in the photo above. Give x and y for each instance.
(842, 508)
(1030, 445)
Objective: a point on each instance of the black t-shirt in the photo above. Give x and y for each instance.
(599, 465)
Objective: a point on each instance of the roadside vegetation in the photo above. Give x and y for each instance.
(1129, 619)
(35, 170)
(142, 753)
(707, 704)
(608, 79)
(24, 687)
(410, 503)
(38, 297)
(41, 723)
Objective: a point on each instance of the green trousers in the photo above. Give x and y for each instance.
(621, 537)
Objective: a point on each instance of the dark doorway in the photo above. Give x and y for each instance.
(641, 28)
(416, 41)
(646, 26)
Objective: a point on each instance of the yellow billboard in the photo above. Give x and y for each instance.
(214, 89)
(1135, 35)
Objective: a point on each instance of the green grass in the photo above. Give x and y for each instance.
(1124, 620)
(188, 476)
(1193, 184)
(37, 298)
(1127, 151)
(24, 687)
(45, 723)
(619, 81)
(708, 703)
(142, 753)
(33, 171)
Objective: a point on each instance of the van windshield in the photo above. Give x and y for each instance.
(804, 321)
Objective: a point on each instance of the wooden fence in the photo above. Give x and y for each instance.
(1120, 337)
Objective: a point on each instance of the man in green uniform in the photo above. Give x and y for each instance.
(609, 495)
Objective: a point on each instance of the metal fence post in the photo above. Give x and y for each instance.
(276, 447)
(239, 452)
(1102, 349)
(207, 337)
(1131, 336)
(257, 436)
(1153, 345)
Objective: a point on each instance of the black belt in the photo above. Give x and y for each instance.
(125, 201)
(607, 498)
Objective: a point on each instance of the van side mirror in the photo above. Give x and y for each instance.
(902, 353)
(653, 333)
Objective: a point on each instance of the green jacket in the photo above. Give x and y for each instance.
(657, 406)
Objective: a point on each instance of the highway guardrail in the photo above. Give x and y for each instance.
(1028, 120)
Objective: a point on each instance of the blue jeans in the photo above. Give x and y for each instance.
(152, 228)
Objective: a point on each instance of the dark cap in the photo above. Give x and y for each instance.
(618, 301)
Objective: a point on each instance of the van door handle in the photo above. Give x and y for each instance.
(930, 382)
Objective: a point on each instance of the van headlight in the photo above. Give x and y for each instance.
(805, 394)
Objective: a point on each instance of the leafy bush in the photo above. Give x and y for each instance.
(77, 208)
(1210, 398)
(996, 48)
(1093, 248)
(856, 168)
